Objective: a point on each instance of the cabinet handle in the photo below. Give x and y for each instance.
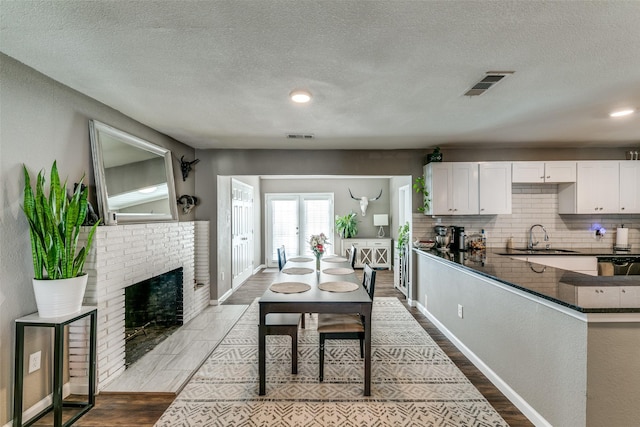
(481, 209)
(450, 210)
(542, 177)
(623, 291)
(622, 208)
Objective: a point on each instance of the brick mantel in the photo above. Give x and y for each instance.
(126, 254)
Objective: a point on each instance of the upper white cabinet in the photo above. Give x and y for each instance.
(597, 189)
(629, 187)
(453, 188)
(544, 172)
(495, 188)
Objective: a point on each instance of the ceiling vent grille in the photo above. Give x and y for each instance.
(491, 79)
(300, 136)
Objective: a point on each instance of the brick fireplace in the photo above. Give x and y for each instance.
(121, 256)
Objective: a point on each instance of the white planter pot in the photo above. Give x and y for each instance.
(61, 297)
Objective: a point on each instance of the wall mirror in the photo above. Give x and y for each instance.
(134, 178)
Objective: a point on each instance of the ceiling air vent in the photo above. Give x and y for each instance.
(490, 80)
(300, 136)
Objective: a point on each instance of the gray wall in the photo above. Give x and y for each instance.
(540, 352)
(228, 163)
(42, 121)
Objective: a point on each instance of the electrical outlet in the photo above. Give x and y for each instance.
(34, 361)
(460, 311)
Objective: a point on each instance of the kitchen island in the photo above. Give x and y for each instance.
(561, 363)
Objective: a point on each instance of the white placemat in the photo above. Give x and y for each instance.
(337, 270)
(297, 270)
(338, 286)
(300, 259)
(289, 287)
(335, 259)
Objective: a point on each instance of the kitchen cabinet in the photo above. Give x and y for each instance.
(544, 172)
(453, 188)
(601, 296)
(375, 252)
(597, 189)
(629, 187)
(629, 296)
(495, 188)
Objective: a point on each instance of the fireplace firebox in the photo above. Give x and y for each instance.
(153, 311)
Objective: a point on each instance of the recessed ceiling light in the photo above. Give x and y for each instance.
(300, 96)
(622, 113)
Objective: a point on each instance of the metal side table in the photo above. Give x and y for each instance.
(58, 323)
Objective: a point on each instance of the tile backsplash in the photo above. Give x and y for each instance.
(536, 204)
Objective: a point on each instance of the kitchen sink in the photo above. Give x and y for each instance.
(543, 251)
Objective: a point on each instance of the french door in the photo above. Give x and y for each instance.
(292, 218)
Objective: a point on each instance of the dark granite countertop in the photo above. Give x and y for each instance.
(553, 284)
(562, 251)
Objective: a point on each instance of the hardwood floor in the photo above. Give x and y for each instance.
(141, 410)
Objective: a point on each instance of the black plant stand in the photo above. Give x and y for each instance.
(58, 323)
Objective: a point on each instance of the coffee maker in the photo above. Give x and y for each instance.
(458, 238)
(442, 240)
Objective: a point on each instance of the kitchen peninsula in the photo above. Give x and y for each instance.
(521, 324)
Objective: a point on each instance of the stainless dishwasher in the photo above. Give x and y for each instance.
(619, 266)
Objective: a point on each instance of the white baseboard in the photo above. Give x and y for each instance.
(528, 411)
(43, 404)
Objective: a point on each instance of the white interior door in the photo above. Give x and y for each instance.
(241, 232)
(292, 218)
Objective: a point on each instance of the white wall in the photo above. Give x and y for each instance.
(42, 121)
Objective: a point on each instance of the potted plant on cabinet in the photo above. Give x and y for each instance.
(347, 226)
(54, 227)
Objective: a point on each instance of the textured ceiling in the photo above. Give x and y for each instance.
(384, 74)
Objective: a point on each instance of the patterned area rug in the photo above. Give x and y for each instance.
(413, 382)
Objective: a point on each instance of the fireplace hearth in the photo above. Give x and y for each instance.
(153, 311)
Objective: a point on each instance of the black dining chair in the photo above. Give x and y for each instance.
(285, 324)
(341, 326)
(352, 256)
(282, 257)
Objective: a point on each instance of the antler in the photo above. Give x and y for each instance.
(376, 198)
(354, 198)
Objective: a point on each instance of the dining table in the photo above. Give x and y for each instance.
(299, 288)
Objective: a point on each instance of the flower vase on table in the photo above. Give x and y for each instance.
(318, 243)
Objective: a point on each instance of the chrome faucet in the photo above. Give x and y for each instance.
(546, 236)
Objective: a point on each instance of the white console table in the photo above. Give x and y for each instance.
(373, 251)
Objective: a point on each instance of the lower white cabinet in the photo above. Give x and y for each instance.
(375, 252)
(601, 296)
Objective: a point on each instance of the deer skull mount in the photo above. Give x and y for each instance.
(364, 201)
(186, 167)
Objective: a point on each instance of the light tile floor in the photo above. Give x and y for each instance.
(171, 363)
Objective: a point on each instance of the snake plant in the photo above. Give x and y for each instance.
(54, 226)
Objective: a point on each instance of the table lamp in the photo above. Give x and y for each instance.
(381, 221)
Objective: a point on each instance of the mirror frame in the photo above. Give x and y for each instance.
(95, 128)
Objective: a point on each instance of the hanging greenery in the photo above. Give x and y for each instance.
(419, 185)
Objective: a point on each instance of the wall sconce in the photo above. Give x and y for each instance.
(381, 220)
